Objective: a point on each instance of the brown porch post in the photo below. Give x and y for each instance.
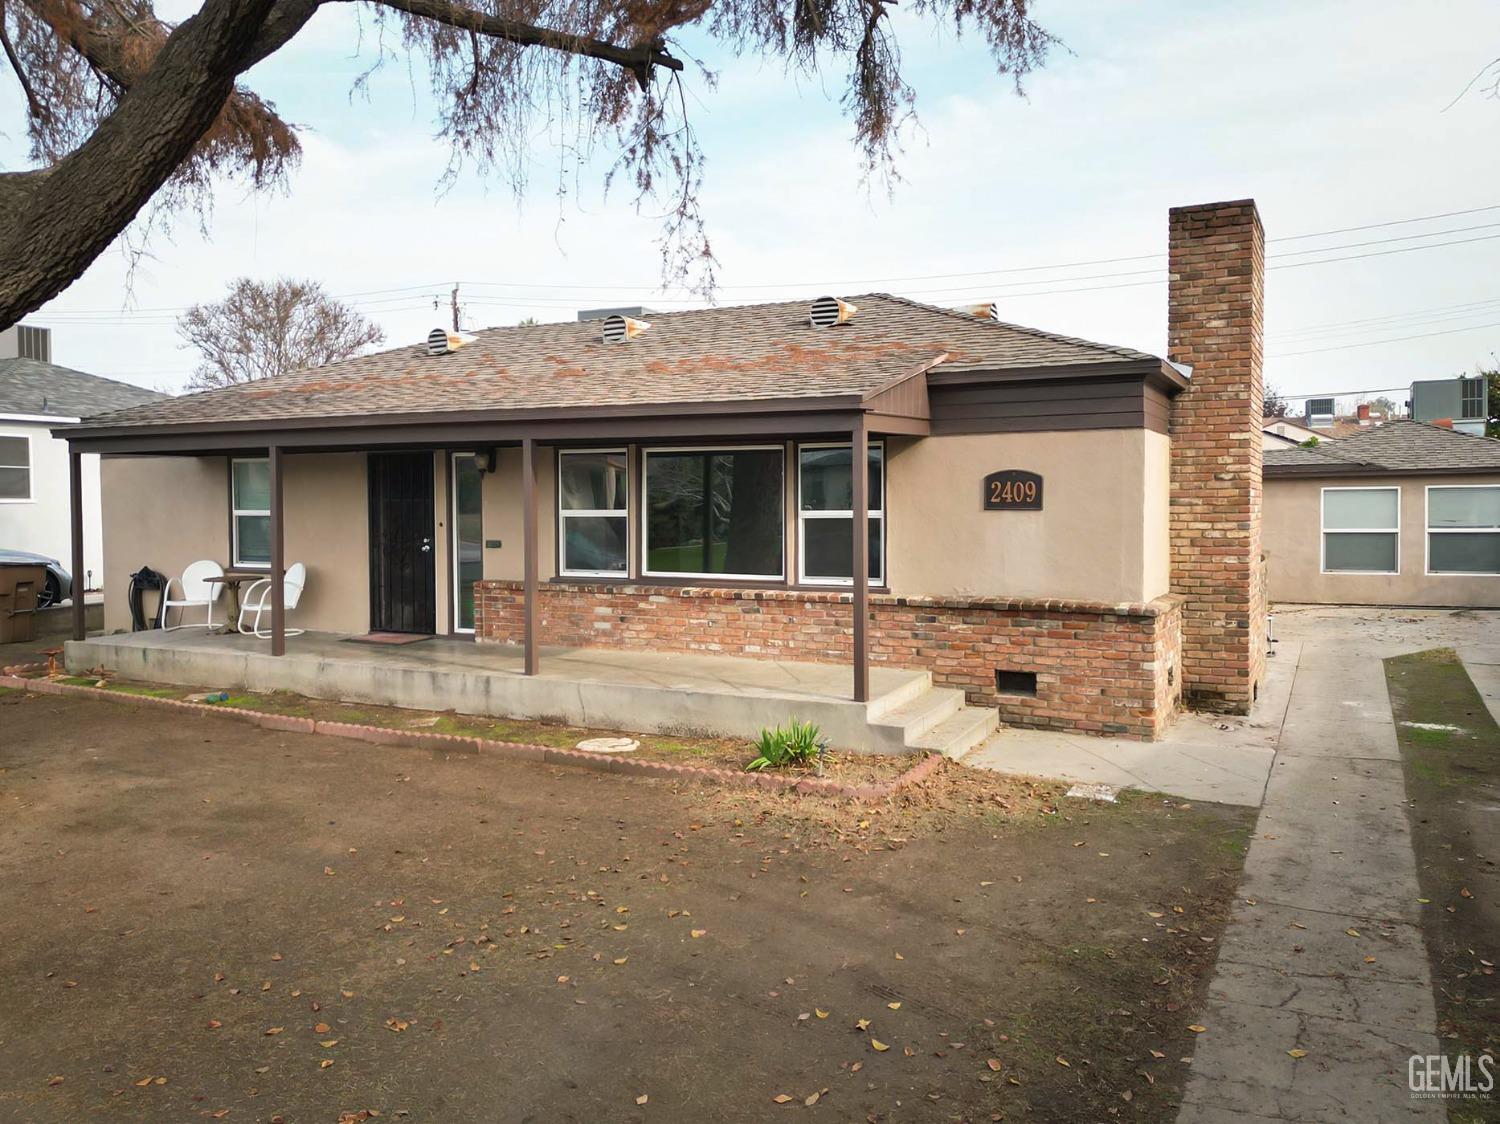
(75, 511)
(859, 474)
(278, 558)
(528, 534)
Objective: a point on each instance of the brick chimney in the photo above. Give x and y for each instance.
(1215, 306)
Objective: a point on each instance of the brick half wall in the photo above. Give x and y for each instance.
(1104, 669)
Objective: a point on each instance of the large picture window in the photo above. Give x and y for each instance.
(250, 487)
(1361, 530)
(825, 515)
(593, 525)
(1463, 530)
(715, 513)
(15, 469)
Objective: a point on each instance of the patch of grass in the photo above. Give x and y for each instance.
(1450, 823)
(148, 692)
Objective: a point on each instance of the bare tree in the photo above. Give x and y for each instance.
(1273, 404)
(263, 328)
(122, 106)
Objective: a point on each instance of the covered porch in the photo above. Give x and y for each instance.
(655, 692)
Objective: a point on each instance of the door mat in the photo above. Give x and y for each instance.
(389, 638)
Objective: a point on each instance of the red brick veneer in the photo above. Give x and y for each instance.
(1109, 669)
(1214, 323)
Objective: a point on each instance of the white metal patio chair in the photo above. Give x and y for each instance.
(256, 601)
(195, 592)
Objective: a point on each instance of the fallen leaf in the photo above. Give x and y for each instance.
(347, 994)
(879, 1045)
(55, 1080)
(1062, 1061)
(270, 1031)
(1464, 893)
(1196, 1029)
(325, 1063)
(894, 1006)
(329, 1043)
(1296, 1053)
(143, 1082)
(782, 1098)
(322, 1028)
(994, 1064)
(822, 1014)
(698, 933)
(642, 1099)
(862, 1024)
(621, 959)
(1157, 1054)
(811, 1100)
(328, 870)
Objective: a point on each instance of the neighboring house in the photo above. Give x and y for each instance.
(1403, 514)
(36, 395)
(1462, 401)
(1282, 433)
(1034, 535)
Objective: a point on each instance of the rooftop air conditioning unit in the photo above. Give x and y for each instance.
(440, 341)
(828, 311)
(618, 329)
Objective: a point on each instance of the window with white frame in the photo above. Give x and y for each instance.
(1361, 530)
(715, 513)
(825, 514)
(250, 501)
(1463, 529)
(593, 507)
(15, 468)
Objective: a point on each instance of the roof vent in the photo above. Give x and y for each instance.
(828, 311)
(617, 329)
(440, 341)
(986, 311)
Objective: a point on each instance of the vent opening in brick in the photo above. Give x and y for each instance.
(1015, 682)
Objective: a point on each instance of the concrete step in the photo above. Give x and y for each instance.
(914, 687)
(923, 712)
(956, 735)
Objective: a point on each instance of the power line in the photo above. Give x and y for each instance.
(1379, 225)
(1377, 343)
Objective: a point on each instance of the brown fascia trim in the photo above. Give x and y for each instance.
(1298, 471)
(1156, 372)
(778, 418)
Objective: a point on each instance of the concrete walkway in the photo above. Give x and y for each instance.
(1331, 857)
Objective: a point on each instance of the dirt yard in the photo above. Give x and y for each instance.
(208, 921)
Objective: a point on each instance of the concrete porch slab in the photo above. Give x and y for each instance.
(656, 692)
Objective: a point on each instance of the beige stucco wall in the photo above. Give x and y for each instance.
(1100, 536)
(502, 516)
(1292, 536)
(166, 512)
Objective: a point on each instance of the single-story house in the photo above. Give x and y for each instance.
(1065, 531)
(35, 396)
(1405, 513)
(1283, 433)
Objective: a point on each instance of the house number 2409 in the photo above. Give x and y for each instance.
(1013, 490)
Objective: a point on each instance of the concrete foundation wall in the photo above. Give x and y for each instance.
(1293, 545)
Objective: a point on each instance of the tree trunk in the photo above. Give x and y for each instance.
(55, 222)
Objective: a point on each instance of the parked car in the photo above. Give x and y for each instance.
(59, 581)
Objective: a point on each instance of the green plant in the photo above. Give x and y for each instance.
(779, 746)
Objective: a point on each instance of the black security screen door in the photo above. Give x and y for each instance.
(402, 579)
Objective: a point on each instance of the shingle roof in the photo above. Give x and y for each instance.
(745, 353)
(29, 386)
(1402, 445)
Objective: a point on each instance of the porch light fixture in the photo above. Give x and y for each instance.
(828, 311)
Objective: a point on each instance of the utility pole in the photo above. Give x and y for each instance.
(453, 297)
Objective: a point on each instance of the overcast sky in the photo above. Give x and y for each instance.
(1331, 115)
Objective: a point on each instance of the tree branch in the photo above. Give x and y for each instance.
(60, 220)
(36, 108)
(639, 60)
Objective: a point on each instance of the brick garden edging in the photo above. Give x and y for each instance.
(515, 751)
